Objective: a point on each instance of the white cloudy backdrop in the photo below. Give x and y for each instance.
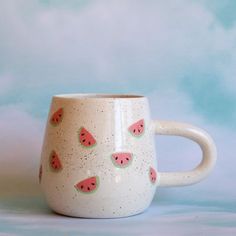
(178, 53)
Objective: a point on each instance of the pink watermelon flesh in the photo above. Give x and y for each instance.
(55, 162)
(121, 159)
(152, 175)
(88, 185)
(56, 117)
(40, 173)
(137, 129)
(86, 138)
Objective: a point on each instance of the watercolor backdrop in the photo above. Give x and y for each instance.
(180, 54)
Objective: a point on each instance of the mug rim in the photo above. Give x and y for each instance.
(97, 96)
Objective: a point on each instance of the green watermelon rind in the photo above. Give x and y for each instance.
(89, 147)
(91, 192)
(138, 136)
(52, 169)
(121, 167)
(56, 124)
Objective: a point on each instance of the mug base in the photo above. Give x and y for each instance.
(98, 216)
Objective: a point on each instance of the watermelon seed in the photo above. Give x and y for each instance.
(139, 130)
(116, 158)
(59, 115)
(88, 188)
(141, 125)
(93, 183)
(127, 158)
(121, 162)
(134, 130)
(81, 186)
(82, 134)
(83, 140)
(56, 119)
(89, 143)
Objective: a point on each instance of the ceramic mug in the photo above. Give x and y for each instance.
(98, 157)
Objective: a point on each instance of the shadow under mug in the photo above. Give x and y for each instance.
(98, 157)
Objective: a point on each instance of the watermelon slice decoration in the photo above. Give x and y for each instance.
(55, 162)
(40, 173)
(86, 138)
(121, 159)
(88, 185)
(137, 129)
(57, 117)
(152, 175)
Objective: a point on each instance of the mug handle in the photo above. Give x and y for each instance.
(209, 153)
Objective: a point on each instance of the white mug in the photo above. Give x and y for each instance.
(98, 157)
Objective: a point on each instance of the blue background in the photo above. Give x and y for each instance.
(180, 54)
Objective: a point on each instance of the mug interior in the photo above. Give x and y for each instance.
(86, 96)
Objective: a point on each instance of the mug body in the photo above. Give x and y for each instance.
(98, 157)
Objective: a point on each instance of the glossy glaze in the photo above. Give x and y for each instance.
(92, 139)
(121, 191)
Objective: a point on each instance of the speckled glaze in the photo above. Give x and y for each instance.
(119, 190)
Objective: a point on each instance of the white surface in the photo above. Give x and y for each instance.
(29, 216)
